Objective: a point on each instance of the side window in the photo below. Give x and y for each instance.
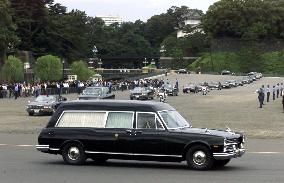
(120, 120)
(148, 121)
(82, 119)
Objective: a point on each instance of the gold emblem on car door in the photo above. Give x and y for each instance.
(116, 135)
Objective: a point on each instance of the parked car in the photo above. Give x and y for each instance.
(226, 72)
(91, 93)
(183, 71)
(247, 80)
(191, 88)
(170, 89)
(144, 130)
(43, 104)
(142, 93)
(226, 85)
(239, 82)
(233, 83)
(215, 85)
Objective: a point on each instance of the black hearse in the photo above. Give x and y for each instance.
(139, 130)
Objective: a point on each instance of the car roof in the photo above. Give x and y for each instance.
(115, 105)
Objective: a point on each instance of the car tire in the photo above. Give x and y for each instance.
(73, 154)
(31, 113)
(221, 163)
(199, 157)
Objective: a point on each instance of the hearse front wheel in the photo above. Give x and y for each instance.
(199, 157)
(73, 154)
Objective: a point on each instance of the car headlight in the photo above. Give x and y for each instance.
(28, 107)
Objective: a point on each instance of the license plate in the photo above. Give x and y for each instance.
(36, 110)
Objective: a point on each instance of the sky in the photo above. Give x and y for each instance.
(131, 10)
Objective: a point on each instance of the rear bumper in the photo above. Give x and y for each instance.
(46, 148)
(228, 155)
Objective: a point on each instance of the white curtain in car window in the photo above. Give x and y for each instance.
(119, 120)
(82, 119)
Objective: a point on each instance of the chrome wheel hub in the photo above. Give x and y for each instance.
(199, 158)
(73, 153)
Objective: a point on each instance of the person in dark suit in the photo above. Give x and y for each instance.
(273, 93)
(283, 102)
(260, 97)
(267, 93)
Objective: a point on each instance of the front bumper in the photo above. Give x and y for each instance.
(40, 111)
(228, 155)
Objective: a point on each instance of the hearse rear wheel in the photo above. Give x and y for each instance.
(73, 154)
(199, 157)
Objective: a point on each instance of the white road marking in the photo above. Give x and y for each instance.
(265, 152)
(13, 145)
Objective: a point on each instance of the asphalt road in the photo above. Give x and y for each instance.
(21, 163)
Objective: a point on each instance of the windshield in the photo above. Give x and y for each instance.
(168, 86)
(174, 120)
(92, 91)
(137, 90)
(45, 99)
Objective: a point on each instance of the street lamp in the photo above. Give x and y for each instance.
(100, 63)
(63, 64)
(145, 62)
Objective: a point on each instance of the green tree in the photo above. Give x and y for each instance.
(48, 68)
(80, 69)
(13, 70)
(247, 19)
(30, 18)
(8, 38)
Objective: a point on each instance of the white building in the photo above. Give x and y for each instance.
(192, 20)
(110, 19)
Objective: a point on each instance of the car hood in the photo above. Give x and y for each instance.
(203, 131)
(41, 103)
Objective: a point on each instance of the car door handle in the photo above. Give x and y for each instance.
(128, 131)
(138, 132)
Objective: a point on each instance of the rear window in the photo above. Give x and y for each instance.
(82, 119)
(96, 119)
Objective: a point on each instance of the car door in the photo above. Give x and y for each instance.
(120, 126)
(149, 135)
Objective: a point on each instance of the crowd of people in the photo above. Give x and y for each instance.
(268, 93)
(57, 88)
(35, 89)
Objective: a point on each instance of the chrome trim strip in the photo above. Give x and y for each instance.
(54, 149)
(133, 154)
